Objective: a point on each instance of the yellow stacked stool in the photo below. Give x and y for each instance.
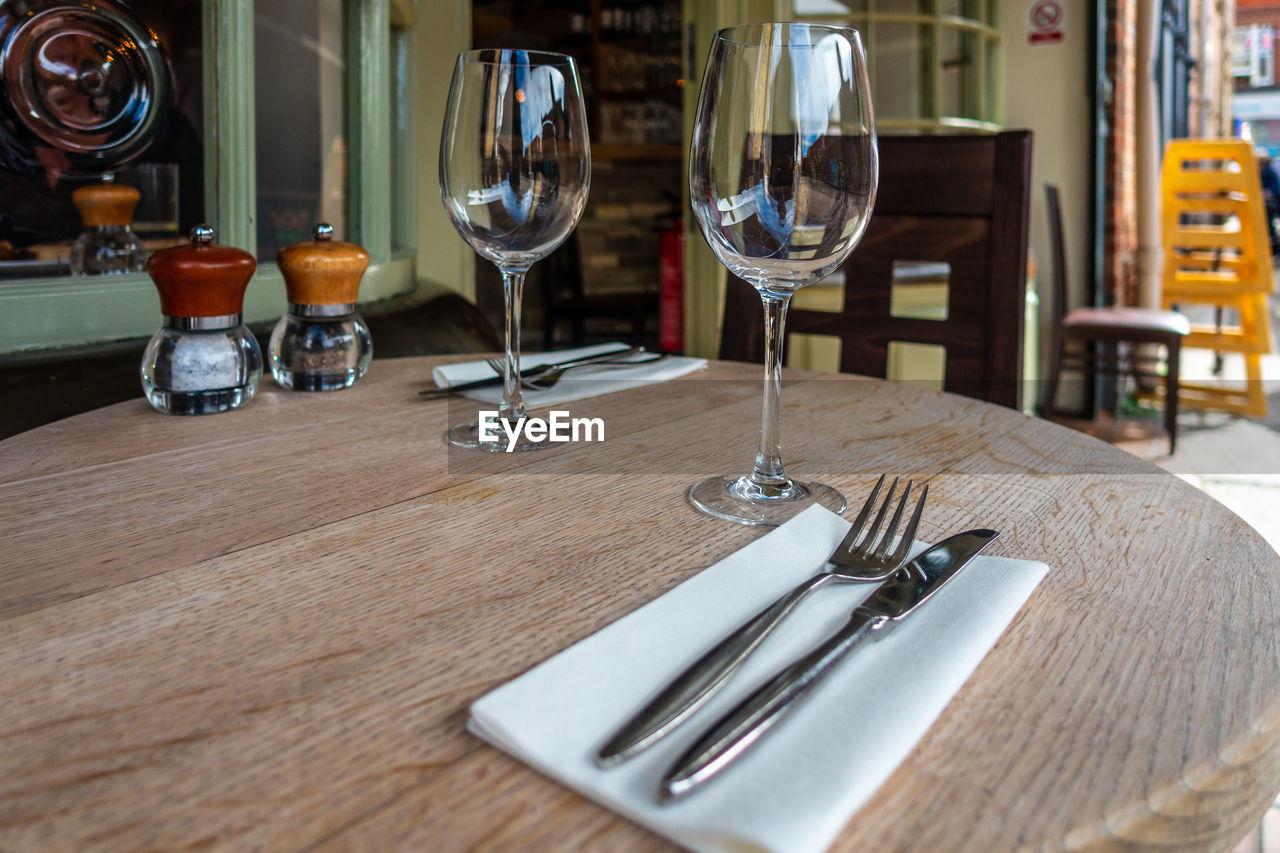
(1217, 252)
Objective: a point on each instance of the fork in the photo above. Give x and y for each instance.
(863, 555)
(499, 369)
(544, 379)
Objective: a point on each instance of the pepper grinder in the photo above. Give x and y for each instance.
(321, 344)
(203, 359)
(107, 245)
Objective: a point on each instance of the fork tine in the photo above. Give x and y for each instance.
(909, 535)
(867, 543)
(882, 550)
(499, 366)
(858, 523)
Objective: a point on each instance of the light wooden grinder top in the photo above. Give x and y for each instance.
(202, 279)
(105, 204)
(322, 271)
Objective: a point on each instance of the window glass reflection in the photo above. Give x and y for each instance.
(84, 111)
(299, 66)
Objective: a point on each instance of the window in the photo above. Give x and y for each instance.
(934, 63)
(91, 94)
(291, 120)
(1253, 62)
(299, 63)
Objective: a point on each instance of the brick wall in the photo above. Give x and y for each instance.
(1208, 112)
(1210, 37)
(1256, 12)
(1120, 236)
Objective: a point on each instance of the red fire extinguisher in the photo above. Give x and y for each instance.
(671, 288)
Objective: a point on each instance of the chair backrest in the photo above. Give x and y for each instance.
(1058, 252)
(1213, 221)
(959, 200)
(1058, 269)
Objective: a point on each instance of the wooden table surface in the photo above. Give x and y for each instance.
(263, 629)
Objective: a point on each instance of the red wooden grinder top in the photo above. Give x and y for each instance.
(202, 279)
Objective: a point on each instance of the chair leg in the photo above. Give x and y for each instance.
(1049, 393)
(1171, 381)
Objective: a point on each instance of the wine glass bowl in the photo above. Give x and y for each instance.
(515, 170)
(782, 176)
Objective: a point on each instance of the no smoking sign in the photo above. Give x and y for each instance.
(1045, 21)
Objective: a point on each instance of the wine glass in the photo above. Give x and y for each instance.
(782, 174)
(515, 168)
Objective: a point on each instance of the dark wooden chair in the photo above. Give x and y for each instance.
(958, 200)
(565, 301)
(1112, 342)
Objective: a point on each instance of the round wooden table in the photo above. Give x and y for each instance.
(263, 629)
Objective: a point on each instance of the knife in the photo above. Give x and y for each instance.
(496, 379)
(912, 585)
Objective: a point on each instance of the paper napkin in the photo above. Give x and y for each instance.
(799, 785)
(577, 384)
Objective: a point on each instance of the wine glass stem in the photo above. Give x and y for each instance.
(768, 469)
(512, 406)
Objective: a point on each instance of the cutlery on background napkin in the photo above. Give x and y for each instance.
(863, 556)
(495, 376)
(896, 599)
(796, 790)
(580, 384)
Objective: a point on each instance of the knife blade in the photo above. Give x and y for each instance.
(497, 378)
(913, 585)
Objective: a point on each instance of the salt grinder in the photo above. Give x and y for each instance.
(321, 344)
(203, 359)
(108, 244)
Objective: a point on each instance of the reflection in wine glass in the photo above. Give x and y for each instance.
(515, 168)
(782, 176)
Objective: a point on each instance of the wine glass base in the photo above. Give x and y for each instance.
(468, 435)
(738, 499)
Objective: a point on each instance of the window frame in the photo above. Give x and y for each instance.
(985, 88)
(51, 313)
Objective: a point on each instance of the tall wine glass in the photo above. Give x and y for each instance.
(783, 174)
(515, 168)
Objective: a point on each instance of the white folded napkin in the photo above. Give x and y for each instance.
(798, 786)
(578, 384)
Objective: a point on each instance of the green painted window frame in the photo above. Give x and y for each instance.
(984, 87)
(60, 312)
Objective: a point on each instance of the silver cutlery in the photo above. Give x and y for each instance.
(900, 596)
(530, 372)
(860, 556)
(540, 379)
